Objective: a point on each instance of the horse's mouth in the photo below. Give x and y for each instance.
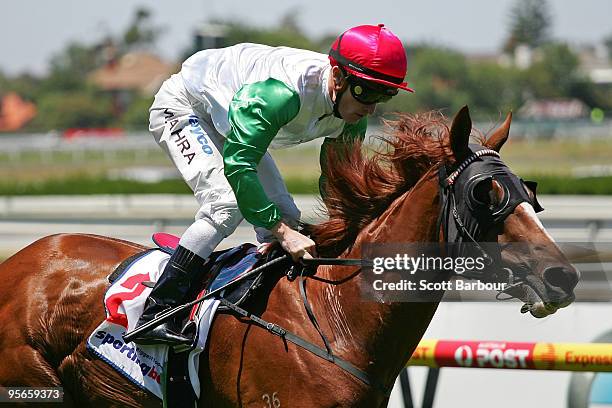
(537, 300)
(539, 307)
(544, 292)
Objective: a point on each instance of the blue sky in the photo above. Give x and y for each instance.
(33, 30)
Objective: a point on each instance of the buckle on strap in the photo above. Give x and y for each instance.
(276, 329)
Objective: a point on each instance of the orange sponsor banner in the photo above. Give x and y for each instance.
(573, 356)
(514, 355)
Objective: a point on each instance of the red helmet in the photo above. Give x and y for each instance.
(373, 53)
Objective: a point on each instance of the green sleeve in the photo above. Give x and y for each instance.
(349, 135)
(255, 115)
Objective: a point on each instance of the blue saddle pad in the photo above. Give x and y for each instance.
(224, 267)
(233, 264)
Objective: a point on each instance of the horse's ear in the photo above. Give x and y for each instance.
(499, 137)
(460, 134)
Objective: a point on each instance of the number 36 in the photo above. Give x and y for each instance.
(273, 402)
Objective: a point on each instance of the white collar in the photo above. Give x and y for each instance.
(329, 104)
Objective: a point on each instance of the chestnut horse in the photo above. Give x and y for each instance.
(51, 292)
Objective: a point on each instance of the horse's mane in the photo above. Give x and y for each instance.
(361, 186)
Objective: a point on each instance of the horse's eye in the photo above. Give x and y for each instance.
(480, 192)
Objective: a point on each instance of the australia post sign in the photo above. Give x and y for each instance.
(513, 355)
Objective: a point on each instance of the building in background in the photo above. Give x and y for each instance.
(595, 62)
(554, 109)
(139, 73)
(15, 112)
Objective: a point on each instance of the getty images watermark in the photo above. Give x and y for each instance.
(454, 272)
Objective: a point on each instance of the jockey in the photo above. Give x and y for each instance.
(219, 115)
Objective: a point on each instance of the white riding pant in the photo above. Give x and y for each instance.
(196, 148)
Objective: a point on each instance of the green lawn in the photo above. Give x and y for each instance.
(556, 157)
(554, 164)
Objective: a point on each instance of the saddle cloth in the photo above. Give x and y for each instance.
(124, 302)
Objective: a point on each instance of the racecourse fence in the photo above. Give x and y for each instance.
(47, 147)
(140, 144)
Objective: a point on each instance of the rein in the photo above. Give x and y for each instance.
(326, 353)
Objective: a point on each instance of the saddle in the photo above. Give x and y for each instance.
(226, 266)
(221, 268)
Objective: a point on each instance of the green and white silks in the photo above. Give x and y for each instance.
(256, 97)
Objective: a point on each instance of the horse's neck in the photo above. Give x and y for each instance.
(382, 336)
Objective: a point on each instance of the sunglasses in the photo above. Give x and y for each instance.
(368, 94)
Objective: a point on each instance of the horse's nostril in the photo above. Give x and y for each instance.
(561, 277)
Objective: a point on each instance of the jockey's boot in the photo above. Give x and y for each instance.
(169, 291)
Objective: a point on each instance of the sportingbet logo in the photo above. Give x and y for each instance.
(131, 353)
